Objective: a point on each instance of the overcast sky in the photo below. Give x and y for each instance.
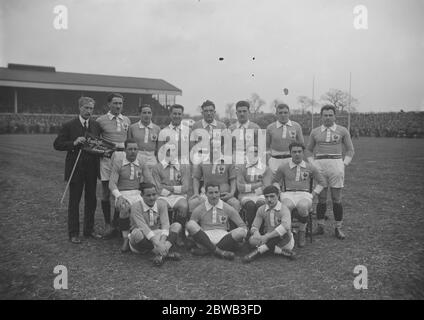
(181, 42)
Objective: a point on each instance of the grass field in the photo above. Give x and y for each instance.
(384, 224)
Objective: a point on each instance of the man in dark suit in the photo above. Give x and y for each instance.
(71, 139)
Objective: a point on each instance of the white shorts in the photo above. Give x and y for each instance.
(106, 165)
(216, 235)
(147, 157)
(296, 196)
(172, 199)
(274, 163)
(251, 197)
(132, 196)
(332, 170)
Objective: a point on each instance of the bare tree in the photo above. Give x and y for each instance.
(256, 103)
(340, 100)
(230, 112)
(306, 104)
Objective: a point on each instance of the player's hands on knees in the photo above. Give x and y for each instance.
(161, 248)
(79, 140)
(122, 204)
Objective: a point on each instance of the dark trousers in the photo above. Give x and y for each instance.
(84, 179)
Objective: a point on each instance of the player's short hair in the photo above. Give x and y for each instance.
(145, 105)
(271, 189)
(176, 106)
(85, 100)
(243, 103)
(129, 141)
(282, 106)
(207, 103)
(114, 95)
(296, 144)
(211, 185)
(328, 107)
(146, 185)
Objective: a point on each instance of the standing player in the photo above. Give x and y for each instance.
(243, 131)
(209, 225)
(71, 139)
(279, 135)
(251, 179)
(150, 229)
(146, 134)
(277, 227)
(327, 143)
(114, 129)
(125, 178)
(296, 176)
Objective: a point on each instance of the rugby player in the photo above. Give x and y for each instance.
(327, 142)
(296, 176)
(209, 225)
(114, 129)
(150, 228)
(276, 221)
(279, 135)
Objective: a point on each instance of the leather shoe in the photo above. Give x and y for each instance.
(339, 234)
(75, 240)
(227, 255)
(175, 256)
(125, 246)
(158, 260)
(319, 231)
(301, 239)
(93, 235)
(288, 254)
(251, 256)
(110, 234)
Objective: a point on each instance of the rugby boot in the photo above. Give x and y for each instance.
(125, 246)
(290, 254)
(158, 260)
(75, 239)
(339, 233)
(251, 256)
(301, 239)
(227, 255)
(175, 256)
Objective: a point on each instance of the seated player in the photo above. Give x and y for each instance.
(126, 175)
(172, 182)
(251, 179)
(150, 229)
(217, 173)
(209, 225)
(295, 175)
(276, 221)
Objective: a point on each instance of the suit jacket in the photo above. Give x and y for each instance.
(65, 142)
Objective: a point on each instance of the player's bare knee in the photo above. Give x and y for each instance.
(192, 227)
(175, 227)
(303, 209)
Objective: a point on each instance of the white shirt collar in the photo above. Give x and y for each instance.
(125, 162)
(332, 128)
(172, 127)
(219, 205)
(82, 120)
(147, 208)
(110, 115)
(141, 125)
(245, 125)
(276, 208)
(205, 124)
(292, 164)
(288, 123)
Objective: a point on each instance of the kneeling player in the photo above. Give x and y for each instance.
(277, 227)
(150, 229)
(295, 175)
(209, 225)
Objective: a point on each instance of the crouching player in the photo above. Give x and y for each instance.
(150, 229)
(276, 219)
(126, 175)
(296, 176)
(209, 225)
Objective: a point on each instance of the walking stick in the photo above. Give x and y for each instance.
(70, 177)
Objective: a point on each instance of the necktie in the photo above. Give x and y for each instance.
(85, 125)
(328, 136)
(151, 218)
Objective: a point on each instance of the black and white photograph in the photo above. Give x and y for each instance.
(211, 155)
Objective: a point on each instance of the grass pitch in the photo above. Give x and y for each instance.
(384, 223)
